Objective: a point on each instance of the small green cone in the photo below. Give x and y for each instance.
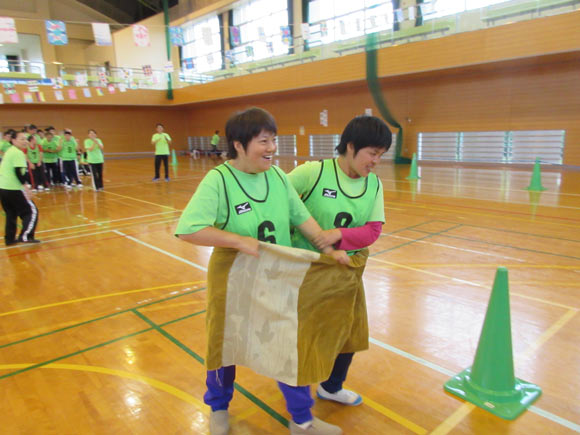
(536, 181)
(490, 382)
(413, 173)
(173, 158)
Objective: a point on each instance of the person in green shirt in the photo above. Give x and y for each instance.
(5, 142)
(34, 155)
(14, 195)
(239, 203)
(215, 140)
(161, 142)
(94, 148)
(346, 199)
(68, 155)
(50, 149)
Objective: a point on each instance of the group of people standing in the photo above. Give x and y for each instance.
(335, 205)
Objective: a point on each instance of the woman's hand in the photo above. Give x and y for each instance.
(327, 238)
(340, 256)
(248, 245)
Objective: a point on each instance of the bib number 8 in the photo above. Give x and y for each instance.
(342, 220)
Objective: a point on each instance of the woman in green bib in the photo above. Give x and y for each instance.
(50, 149)
(68, 155)
(238, 203)
(35, 157)
(346, 199)
(94, 147)
(161, 142)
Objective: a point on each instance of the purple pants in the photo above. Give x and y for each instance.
(220, 389)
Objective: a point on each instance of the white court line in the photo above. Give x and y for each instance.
(541, 412)
(104, 222)
(155, 248)
(472, 251)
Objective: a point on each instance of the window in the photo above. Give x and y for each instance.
(336, 20)
(203, 45)
(259, 23)
(442, 8)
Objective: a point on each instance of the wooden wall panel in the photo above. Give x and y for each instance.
(122, 129)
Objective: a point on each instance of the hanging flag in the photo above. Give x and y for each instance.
(261, 34)
(305, 31)
(33, 88)
(15, 97)
(1, 98)
(102, 34)
(8, 34)
(122, 87)
(58, 95)
(57, 83)
(176, 36)
(87, 92)
(40, 97)
(147, 70)
(188, 63)
(206, 35)
(56, 32)
(99, 92)
(286, 35)
(81, 79)
(72, 94)
(133, 85)
(111, 88)
(168, 67)
(249, 51)
(323, 29)
(27, 97)
(398, 15)
(9, 88)
(324, 118)
(270, 47)
(235, 38)
(342, 25)
(141, 35)
(127, 75)
(103, 78)
(230, 55)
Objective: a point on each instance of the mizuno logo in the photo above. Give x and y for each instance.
(243, 208)
(329, 193)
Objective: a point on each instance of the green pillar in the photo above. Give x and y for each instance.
(168, 43)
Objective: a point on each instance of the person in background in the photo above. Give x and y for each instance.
(68, 154)
(50, 149)
(161, 142)
(34, 155)
(5, 142)
(94, 148)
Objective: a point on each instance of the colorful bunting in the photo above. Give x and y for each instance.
(28, 97)
(8, 34)
(141, 35)
(188, 63)
(249, 51)
(9, 88)
(87, 92)
(111, 88)
(56, 32)
(235, 37)
(72, 94)
(99, 92)
(81, 79)
(176, 36)
(147, 70)
(57, 83)
(58, 95)
(122, 87)
(40, 97)
(168, 67)
(286, 35)
(102, 34)
(14, 97)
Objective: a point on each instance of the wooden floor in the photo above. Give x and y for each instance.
(102, 325)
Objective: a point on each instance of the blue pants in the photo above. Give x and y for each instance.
(339, 371)
(220, 389)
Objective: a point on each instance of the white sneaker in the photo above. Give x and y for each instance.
(219, 423)
(47, 188)
(40, 187)
(346, 397)
(316, 427)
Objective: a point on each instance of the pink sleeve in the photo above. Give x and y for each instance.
(359, 237)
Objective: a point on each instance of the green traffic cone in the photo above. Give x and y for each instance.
(490, 382)
(173, 158)
(414, 173)
(536, 181)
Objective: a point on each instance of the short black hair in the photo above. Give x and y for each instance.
(365, 131)
(10, 131)
(245, 125)
(31, 127)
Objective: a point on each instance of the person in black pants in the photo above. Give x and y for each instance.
(161, 142)
(14, 196)
(94, 150)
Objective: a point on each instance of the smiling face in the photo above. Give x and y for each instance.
(20, 141)
(361, 164)
(92, 134)
(257, 157)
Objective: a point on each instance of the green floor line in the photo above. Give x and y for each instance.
(99, 318)
(505, 246)
(416, 240)
(408, 228)
(198, 358)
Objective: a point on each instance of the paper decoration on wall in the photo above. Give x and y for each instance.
(249, 51)
(286, 35)
(33, 88)
(122, 87)
(176, 36)
(323, 29)
(102, 34)
(40, 97)
(188, 63)
(87, 92)
(235, 38)
(72, 94)
(270, 47)
(99, 92)
(147, 70)
(168, 67)
(8, 34)
(9, 88)
(14, 97)
(141, 35)
(155, 78)
(261, 34)
(133, 85)
(324, 118)
(57, 83)
(206, 35)
(127, 75)
(58, 95)
(398, 15)
(81, 79)
(111, 88)
(56, 32)
(305, 31)
(28, 97)
(369, 111)
(103, 78)
(1, 98)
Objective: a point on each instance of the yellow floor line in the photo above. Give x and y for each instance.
(454, 419)
(140, 200)
(392, 415)
(547, 334)
(475, 284)
(74, 301)
(182, 395)
(495, 265)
